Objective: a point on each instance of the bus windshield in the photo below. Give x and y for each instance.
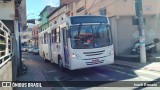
(90, 36)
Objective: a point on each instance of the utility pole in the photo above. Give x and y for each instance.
(139, 14)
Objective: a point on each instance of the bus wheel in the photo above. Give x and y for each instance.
(60, 64)
(45, 60)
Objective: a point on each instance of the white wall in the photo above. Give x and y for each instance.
(7, 11)
(125, 34)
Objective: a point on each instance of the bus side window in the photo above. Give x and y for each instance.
(52, 36)
(45, 37)
(55, 36)
(58, 35)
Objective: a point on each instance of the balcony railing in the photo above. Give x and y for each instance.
(5, 44)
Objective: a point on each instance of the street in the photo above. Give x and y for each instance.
(112, 72)
(97, 44)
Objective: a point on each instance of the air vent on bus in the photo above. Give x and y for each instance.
(94, 53)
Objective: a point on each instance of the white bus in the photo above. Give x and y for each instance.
(78, 42)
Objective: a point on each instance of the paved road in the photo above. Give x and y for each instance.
(112, 72)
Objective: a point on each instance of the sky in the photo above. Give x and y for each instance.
(34, 7)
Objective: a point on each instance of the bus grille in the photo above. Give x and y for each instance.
(94, 53)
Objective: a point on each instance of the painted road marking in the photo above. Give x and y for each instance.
(132, 75)
(127, 65)
(116, 67)
(111, 79)
(101, 75)
(142, 77)
(149, 79)
(60, 83)
(86, 78)
(118, 71)
(148, 72)
(52, 71)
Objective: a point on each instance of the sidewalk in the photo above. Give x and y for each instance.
(151, 66)
(33, 74)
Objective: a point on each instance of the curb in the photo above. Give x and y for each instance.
(126, 58)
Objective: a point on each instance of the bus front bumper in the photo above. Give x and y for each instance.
(80, 64)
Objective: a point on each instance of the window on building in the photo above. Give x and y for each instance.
(24, 37)
(80, 9)
(37, 32)
(29, 29)
(33, 33)
(102, 11)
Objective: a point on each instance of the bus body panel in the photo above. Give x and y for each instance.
(84, 59)
(73, 58)
(80, 64)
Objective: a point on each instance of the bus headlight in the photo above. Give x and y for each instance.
(74, 55)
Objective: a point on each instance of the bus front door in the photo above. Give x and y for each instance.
(65, 44)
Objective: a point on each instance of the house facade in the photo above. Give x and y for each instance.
(35, 35)
(11, 22)
(121, 14)
(43, 18)
(26, 35)
(58, 15)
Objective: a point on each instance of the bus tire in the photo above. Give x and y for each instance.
(60, 63)
(45, 60)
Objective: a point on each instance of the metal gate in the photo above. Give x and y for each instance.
(6, 48)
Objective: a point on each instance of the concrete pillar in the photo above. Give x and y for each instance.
(16, 51)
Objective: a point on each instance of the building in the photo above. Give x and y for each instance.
(43, 18)
(121, 14)
(122, 19)
(26, 34)
(63, 2)
(11, 17)
(35, 35)
(58, 15)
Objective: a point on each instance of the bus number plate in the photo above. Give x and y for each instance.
(95, 61)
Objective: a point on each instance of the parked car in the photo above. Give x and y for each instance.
(35, 51)
(30, 49)
(24, 48)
